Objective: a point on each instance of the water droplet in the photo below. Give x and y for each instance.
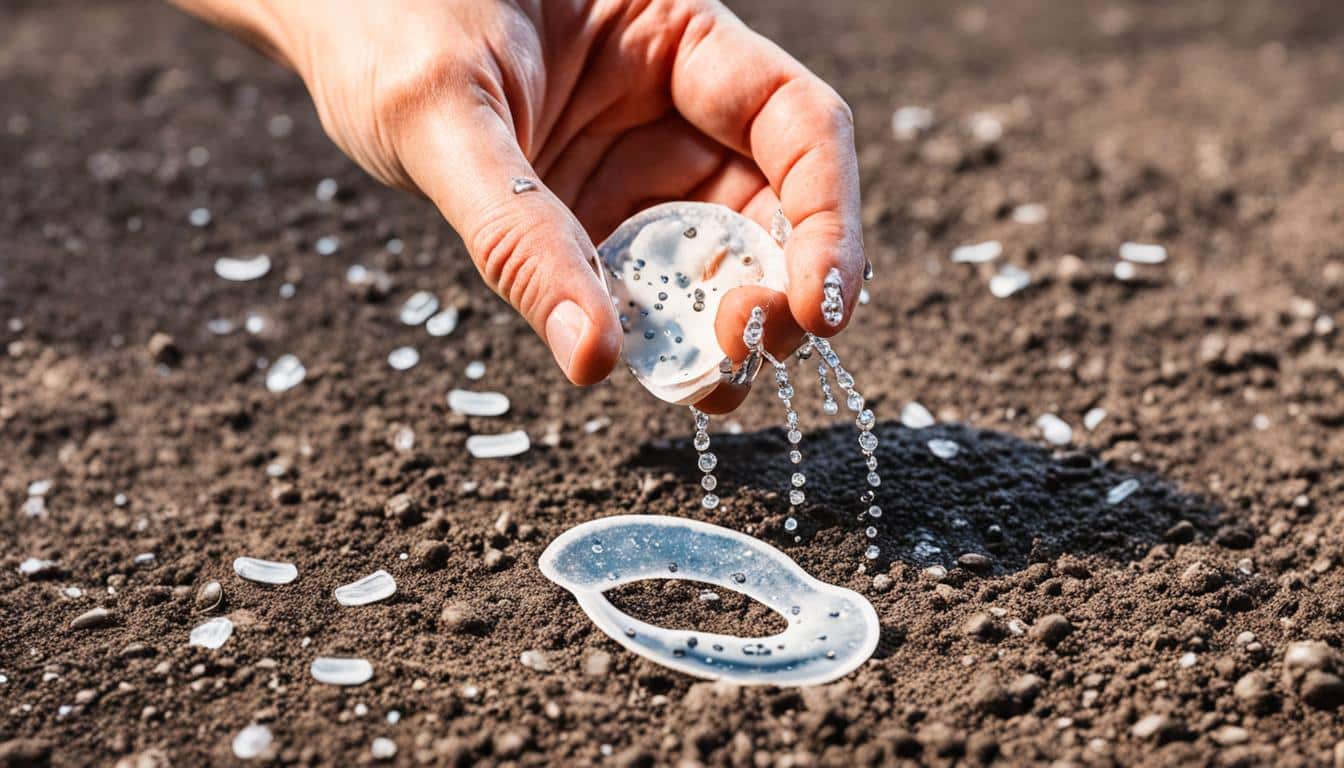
(285, 373)
(378, 585)
(471, 403)
(944, 449)
(403, 358)
(872, 552)
(419, 307)
(265, 571)
(338, 670)
(521, 185)
(243, 270)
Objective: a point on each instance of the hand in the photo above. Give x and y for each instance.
(611, 106)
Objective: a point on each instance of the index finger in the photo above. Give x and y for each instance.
(748, 94)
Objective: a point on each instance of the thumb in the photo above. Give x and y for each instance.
(525, 242)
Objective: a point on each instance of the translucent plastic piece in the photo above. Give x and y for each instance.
(419, 307)
(243, 270)
(285, 373)
(265, 571)
(469, 403)
(338, 670)
(498, 446)
(378, 585)
(668, 268)
(831, 630)
(212, 634)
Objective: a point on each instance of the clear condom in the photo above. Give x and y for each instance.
(831, 630)
(668, 267)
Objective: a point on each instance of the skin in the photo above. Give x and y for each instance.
(609, 106)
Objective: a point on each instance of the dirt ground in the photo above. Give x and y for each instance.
(1157, 631)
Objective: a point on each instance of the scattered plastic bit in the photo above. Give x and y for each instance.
(326, 190)
(944, 449)
(1143, 253)
(36, 566)
(470, 403)
(419, 307)
(1125, 271)
(212, 634)
(265, 571)
(593, 426)
(1093, 418)
(668, 267)
(443, 323)
(39, 487)
(831, 630)
(327, 245)
(338, 670)
(243, 270)
(498, 446)
(475, 370)
(978, 253)
(286, 373)
(1009, 281)
(916, 416)
(1055, 430)
(403, 358)
(985, 127)
(252, 742)
(378, 585)
(199, 217)
(221, 326)
(1029, 213)
(1122, 491)
(35, 506)
(383, 748)
(908, 123)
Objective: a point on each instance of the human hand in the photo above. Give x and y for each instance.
(609, 107)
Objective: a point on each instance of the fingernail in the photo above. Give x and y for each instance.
(832, 305)
(564, 329)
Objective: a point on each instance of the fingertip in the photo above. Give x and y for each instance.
(782, 335)
(724, 399)
(596, 348)
(815, 264)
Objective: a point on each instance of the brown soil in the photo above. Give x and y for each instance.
(1216, 129)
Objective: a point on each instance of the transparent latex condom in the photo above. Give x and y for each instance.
(668, 267)
(831, 630)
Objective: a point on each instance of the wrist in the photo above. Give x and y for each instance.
(259, 23)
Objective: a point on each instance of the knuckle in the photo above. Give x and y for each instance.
(503, 246)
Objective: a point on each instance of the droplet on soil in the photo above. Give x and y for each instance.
(521, 185)
(403, 358)
(978, 253)
(470, 403)
(252, 742)
(378, 585)
(243, 270)
(1122, 491)
(285, 373)
(1055, 430)
(443, 323)
(1009, 281)
(916, 416)
(944, 449)
(419, 307)
(337, 670)
(498, 446)
(1143, 253)
(212, 634)
(265, 571)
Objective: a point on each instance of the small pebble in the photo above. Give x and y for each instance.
(94, 618)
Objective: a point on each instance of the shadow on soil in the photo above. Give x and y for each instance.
(1014, 500)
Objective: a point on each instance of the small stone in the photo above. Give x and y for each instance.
(976, 562)
(1180, 533)
(460, 619)
(1230, 735)
(1158, 727)
(209, 596)
(94, 618)
(981, 625)
(1200, 579)
(1323, 690)
(495, 559)
(1051, 629)
(1254, 689)
(162, 349)
(25, 753)
(881, 583)
(430, 554)
(597, 664)
(536, 661)
(404, 509)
